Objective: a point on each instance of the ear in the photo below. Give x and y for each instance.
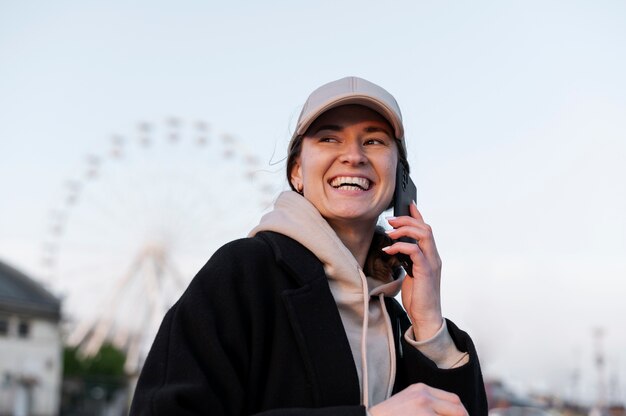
(295, 176)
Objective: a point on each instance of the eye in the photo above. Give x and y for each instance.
(326, 139)
(373, 141)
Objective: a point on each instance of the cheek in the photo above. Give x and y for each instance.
(304, 170)
(390, 190)
(390, 175)
(312, 164)
(390, 170)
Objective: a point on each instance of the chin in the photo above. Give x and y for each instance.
(356, 215)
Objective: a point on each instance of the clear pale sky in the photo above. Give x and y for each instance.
(515, 116)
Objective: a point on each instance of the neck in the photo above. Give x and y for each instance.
(356, 238)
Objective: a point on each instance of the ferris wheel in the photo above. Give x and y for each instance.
(141, 218)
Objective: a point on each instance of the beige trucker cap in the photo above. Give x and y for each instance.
(350, 90)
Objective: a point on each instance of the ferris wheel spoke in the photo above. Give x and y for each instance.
(108, 304)
(142, 219)
(175, 273)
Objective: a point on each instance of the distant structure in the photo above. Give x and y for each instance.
(30, 346)
(599, 361)
(133, 226)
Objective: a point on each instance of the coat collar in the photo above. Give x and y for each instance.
(317, 324)
(301, 263)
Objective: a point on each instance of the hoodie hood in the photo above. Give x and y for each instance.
(360, 299)
(295, 217)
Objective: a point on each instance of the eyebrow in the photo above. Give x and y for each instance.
(378, 130)
(331, 127)
(335, 127)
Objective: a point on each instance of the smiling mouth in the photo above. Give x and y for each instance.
(350, 183)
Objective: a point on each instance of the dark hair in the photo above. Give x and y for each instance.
(295, 147)
(378, 264)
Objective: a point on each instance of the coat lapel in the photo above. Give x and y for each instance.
(317, 325)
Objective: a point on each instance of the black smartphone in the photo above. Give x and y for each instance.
(404, 194)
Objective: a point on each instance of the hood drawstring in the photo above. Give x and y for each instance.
(297, 218)
(365, 390)
(378, 292)
(392, 351)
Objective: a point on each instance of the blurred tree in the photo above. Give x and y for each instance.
(92, 384)
(109, 361)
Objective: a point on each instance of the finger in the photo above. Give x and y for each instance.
(414, 217)
(443, 402)
(423, 235)
(410, 249)
(406, 221)
(403, 220)
(443, 407)
(421, 264)
(415, 213)
(410, 227)
(443, 395)
(420, 232)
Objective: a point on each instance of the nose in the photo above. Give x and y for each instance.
(353, 154)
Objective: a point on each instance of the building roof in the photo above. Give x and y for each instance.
(22, 295)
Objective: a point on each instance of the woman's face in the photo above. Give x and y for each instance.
(347, 165)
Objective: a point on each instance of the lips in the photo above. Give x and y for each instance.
(350, 183)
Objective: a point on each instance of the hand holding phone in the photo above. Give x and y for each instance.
(405, 194)
(421, 295)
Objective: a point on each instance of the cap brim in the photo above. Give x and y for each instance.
(363, 100)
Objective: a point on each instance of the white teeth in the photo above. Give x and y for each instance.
(351, 183)
(350, 188)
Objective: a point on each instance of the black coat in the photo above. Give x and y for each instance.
(258, 331)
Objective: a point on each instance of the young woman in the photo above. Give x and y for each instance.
(300, 317)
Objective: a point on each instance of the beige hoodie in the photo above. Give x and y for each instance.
(360, 299)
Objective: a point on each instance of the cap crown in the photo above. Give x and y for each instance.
(351, 90)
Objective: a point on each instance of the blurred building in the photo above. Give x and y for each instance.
(30, 346)
(499, 395)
